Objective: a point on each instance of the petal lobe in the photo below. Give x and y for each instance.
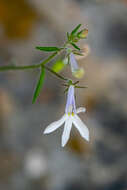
(55, 125)
(83, 130)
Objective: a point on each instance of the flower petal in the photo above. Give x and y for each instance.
(81, 127)
(73, 62)
(81, 109)
(70, 105)
(53, 126)
(67, 130)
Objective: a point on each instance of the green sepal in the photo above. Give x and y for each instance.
(81, 86)
(75, 46)
(39, 85)
(75, 29)
(65, 91)
(77, 53)
(48, 48)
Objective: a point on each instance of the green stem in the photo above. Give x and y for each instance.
(13, 67)
(48, 59)
(53, 72)
(42, 64)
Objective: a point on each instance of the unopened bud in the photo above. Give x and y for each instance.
(83, 33)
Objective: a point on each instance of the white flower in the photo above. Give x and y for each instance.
(70, 117)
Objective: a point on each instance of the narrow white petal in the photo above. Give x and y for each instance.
(55, 125)
(81, 127)
(81, 109)
(67, 130)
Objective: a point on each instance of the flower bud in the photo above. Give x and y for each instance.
(83, 33)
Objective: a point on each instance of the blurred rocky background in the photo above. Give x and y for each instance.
(28, 159)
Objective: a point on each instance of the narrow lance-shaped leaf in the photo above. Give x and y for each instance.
(75, 46)
(39, 85)
(77, 53)
(75, 29)
(48, 48)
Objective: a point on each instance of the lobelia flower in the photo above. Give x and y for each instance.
(70, 117)
(76, 71)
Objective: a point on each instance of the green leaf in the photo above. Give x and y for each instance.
(75, 46)
(39, 85)
(75, 29)
(48, 48)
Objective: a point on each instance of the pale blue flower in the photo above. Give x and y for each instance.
(70, 105)
(70, 117)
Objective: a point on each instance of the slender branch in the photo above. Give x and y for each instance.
(48, 59)
(53, 72)
(13, 67)
(42, 64)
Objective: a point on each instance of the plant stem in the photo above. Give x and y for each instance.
(48, 59)
(53, 72)
(13, 67)
(42, 64)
